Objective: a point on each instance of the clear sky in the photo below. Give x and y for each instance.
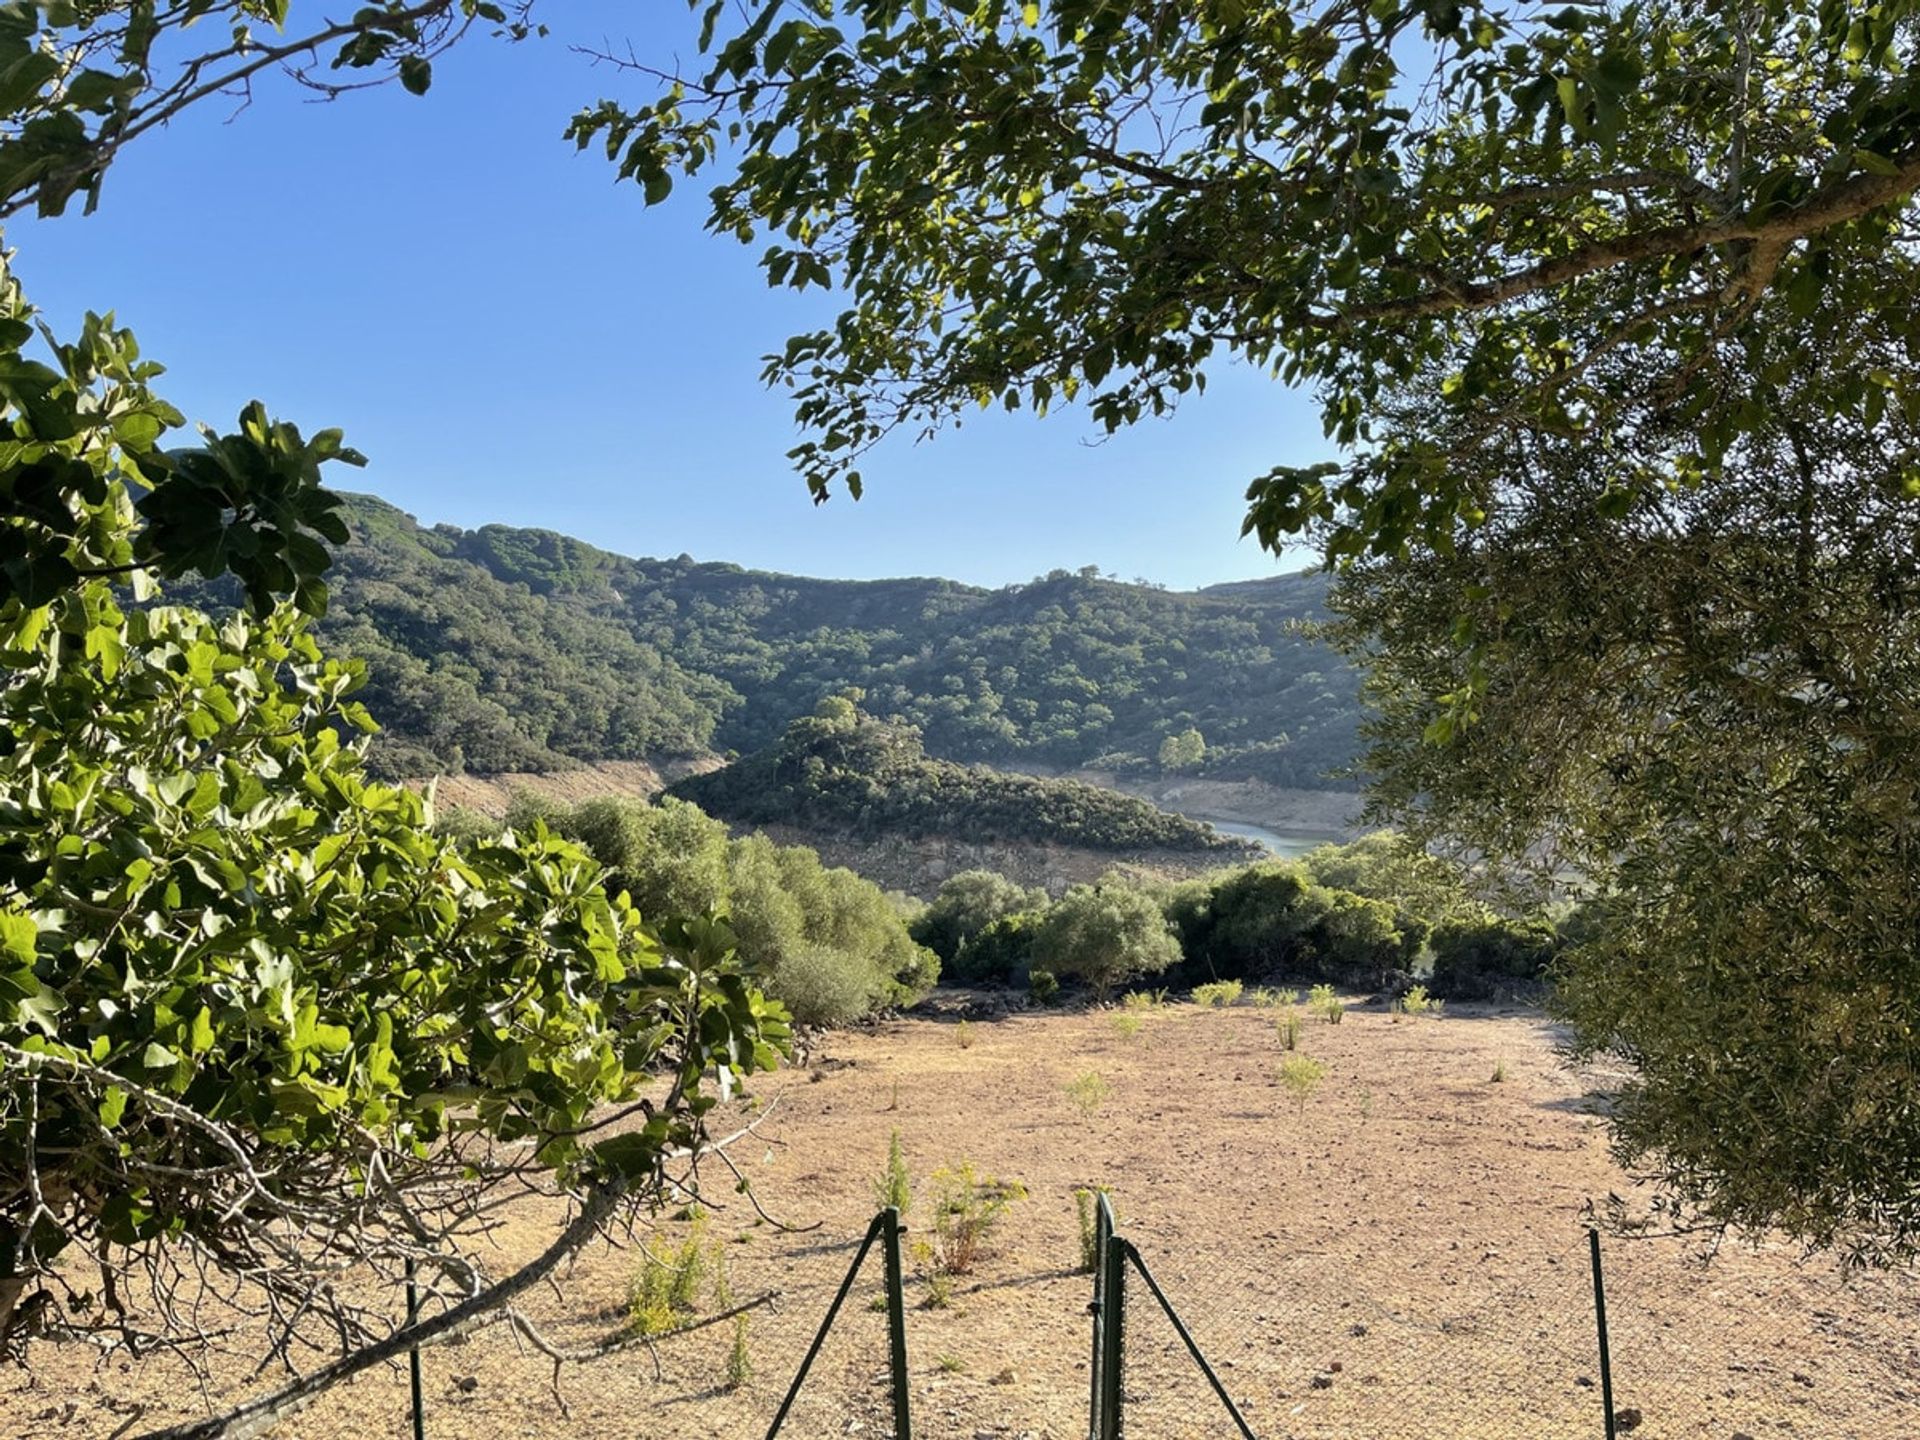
(511, 336)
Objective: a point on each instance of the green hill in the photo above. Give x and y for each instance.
(843, 772)
(511, 649)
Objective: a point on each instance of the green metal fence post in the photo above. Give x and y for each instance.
(1600, 1318)
(1186, 1338)
(1102, 1233)
(413, 1359)
(896, 1326)
(1113, 1319)
(820, 1336)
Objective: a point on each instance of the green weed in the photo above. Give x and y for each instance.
(966, 1210)
(739, 1359)
(1089, 1092)
(1218, 995)
(894, 1185)
(1301, 1075)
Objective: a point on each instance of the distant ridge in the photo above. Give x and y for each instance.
(510, 649)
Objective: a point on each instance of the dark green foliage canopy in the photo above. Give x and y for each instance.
(1703, 714)
(1271, 921)
(844, 771)
(1107, 935)
(968, 904)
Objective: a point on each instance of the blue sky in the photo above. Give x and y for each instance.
(511, 336)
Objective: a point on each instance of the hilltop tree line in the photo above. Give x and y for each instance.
(507, 649)
(841, 770)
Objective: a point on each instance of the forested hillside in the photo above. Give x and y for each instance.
(844, 772)
(509, 649)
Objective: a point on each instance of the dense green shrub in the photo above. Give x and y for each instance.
(820, 987)
(1388, 866)
(1269, 921)
(999, 954)
(671, 857)
(1106, 935)
(1474, 959)
(967, 904)
(833, 945)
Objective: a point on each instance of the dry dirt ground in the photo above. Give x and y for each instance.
(1400, 1254)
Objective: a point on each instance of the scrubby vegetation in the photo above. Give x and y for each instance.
(965, 907)
(1376, 916)
(833, 946)
(841, 770)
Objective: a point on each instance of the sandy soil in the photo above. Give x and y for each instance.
(631, 779)
(1401, 1254)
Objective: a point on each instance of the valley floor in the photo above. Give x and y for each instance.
(1400, 1256)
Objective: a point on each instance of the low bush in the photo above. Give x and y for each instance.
(1089, 1091)
(1217, 995)
(821, 988)
(967, 1208)
(1288, 1028)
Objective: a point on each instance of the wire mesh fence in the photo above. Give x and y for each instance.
(713, 1375)
(1420, 1338)
(1724, 1348)
(709, 1372)
(1317, 1349)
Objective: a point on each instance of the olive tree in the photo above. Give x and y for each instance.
(1107, 934)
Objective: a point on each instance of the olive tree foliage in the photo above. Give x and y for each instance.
(1107, 934)
(1099, 200)
(1701, 708)
(259, 1024)
(965, 905)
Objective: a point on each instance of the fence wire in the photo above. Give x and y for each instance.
(724, 1380)
(1310, 1349)
(1316, 1337)
(1314, 1348)
(716, 1383)
(1712, 1349)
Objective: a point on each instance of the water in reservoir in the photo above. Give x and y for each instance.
(1287, 844)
